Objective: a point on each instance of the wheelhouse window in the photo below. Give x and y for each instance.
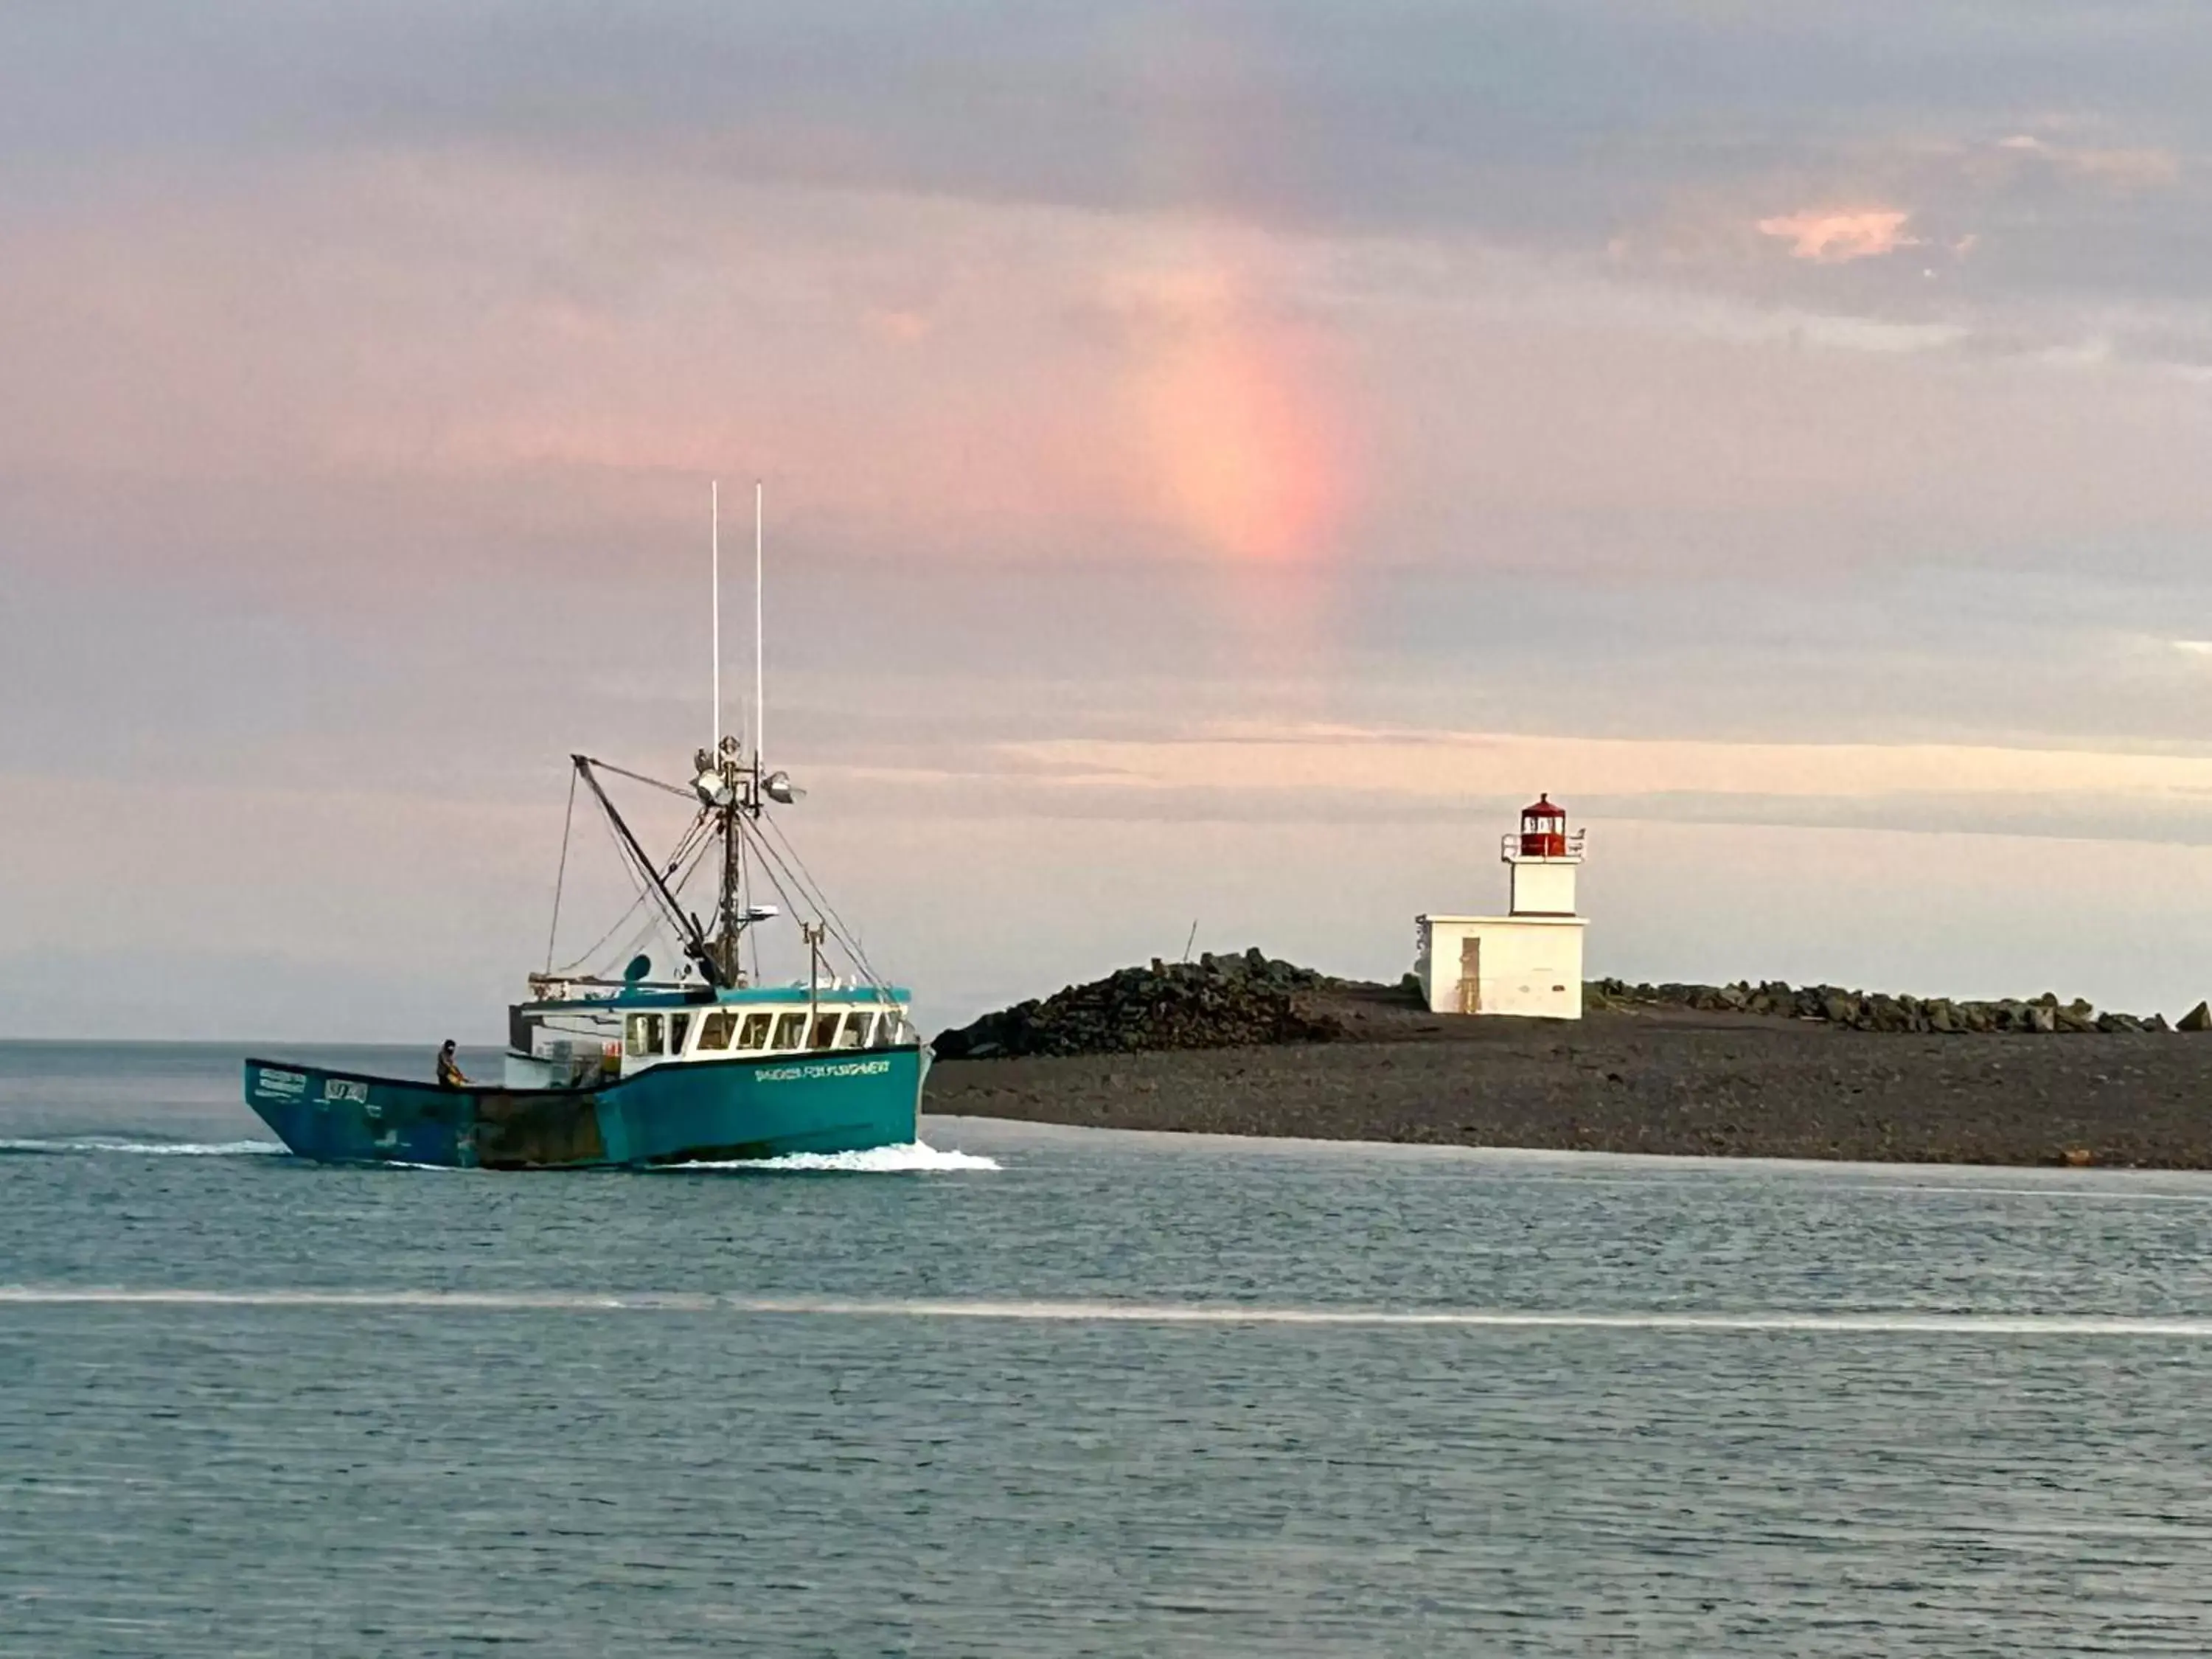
(643, 1038)
(790, 1030)
(678, 1026)
(892, 1030)
(855, 1033)
(715, 1030)
(752, 1037)
(825, 1030)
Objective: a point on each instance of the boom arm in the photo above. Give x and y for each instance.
(687, 927)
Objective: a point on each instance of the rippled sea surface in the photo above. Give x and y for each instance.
(1080, 1394)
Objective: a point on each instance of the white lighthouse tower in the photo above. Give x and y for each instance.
(1529, 962)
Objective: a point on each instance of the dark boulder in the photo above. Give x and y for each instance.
(1216, 1002)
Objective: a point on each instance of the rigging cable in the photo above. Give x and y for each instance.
(676, 789)
(844, 934)
(595, 948)
(771, 865)
(644, 893)
(560, 879)
(628, 865)
(810, 892)
(634, 856)
(653, 922)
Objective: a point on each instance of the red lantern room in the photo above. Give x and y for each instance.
(1543, 829)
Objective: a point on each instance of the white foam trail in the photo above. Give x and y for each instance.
(1136, 1313)
(487, 1301)
(152, 1148)
(914, 1156)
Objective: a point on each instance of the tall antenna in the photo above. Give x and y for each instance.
(760, 671)
(716, 604)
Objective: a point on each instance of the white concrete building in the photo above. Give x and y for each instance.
(1529, 962)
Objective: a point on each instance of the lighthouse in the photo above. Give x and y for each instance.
(1529, 961)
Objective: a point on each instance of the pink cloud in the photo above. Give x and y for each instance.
(905, 326)
(1838, 237)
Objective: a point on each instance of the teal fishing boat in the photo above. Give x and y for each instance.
(737, 1073)
(706, 1064)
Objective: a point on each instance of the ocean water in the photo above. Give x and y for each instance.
(1039, 1392)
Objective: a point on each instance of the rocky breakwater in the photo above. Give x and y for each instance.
(1244, 1045)
(1231, 1001)
(1875, 1011)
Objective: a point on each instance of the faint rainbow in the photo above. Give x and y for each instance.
(1246, 449)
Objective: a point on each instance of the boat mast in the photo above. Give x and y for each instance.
(760, 636)
(731, 786)
(714, 603)
(721, 784)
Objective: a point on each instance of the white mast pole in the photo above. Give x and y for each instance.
(716, 605)
(760, 671)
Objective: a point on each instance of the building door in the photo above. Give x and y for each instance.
(1470, 976)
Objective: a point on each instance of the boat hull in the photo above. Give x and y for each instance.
(695, 1112)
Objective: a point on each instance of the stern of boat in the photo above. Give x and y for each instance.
(334, 1117)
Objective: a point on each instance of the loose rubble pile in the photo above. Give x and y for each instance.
(1865, 1010)
(1216, 1002)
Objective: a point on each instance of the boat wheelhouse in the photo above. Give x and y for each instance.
(572, 1033)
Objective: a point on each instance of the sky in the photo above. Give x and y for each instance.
(1221, 459)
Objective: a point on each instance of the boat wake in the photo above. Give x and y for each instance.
(82, 1144)
(916, 1156)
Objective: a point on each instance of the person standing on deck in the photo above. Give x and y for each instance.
(450, 1075)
